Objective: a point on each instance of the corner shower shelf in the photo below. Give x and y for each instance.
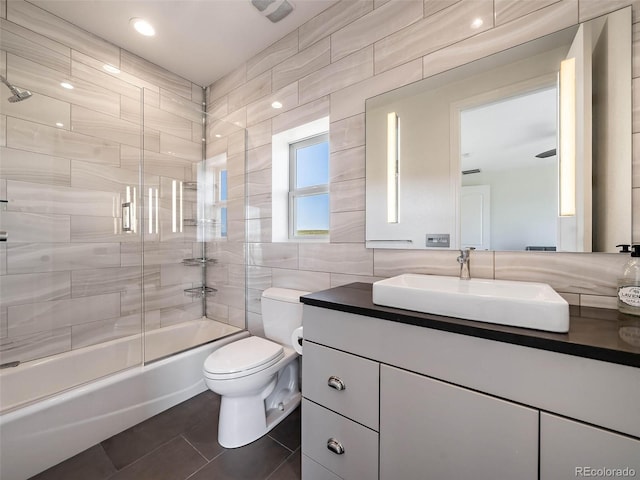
(199, 292)
(190, 185)
(199, 262)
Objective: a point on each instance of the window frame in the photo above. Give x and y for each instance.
(295, 193)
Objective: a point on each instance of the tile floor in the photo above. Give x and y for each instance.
(181, 443)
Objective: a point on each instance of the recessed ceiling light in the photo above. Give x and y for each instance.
(276, 104)
(59, 124)
(477, 23)
(111, 68)
(66, 85)
(143, 27)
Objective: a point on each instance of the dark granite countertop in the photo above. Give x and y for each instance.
(593, 331)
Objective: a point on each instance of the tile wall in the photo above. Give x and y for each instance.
(358, 49)
(69, 276)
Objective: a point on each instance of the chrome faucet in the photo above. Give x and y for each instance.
(463, 260)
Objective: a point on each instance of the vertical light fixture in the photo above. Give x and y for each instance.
(181, 216)
(567, 159)
(157, 213)
(150, 210)
(174, 213)
(392, 167)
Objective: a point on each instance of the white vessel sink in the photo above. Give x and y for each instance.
(520, 304)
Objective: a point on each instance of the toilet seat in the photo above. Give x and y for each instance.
(242, 358)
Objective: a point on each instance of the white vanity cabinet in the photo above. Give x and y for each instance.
(419, 403)
(431, 429)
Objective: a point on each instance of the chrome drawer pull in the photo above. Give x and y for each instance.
(335, 446)
(336, 382)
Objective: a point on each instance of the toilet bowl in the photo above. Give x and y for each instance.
(258, 378)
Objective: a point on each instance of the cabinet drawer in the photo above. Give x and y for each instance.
(312, 470)
(358, 461)
(341, 382)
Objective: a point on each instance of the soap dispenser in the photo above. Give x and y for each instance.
(629, 284)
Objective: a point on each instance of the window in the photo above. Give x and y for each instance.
(309, 188)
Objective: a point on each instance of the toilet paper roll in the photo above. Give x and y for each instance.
(296, 340)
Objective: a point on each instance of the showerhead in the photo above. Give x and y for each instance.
(18, 94)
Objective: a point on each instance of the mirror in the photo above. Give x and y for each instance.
(527, 149)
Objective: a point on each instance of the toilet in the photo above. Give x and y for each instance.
(257, 378)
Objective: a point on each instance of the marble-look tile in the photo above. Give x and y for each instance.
(230, 295)
(539, 23)
(249, 92)
(339, 279)
(179, 147)
(156, 163)
(177, 274)
(347, 164)
(44, 80)
(259, 134)
(258, 278)
(237, 143)
(3, 130)
(237, 275)
(432, 33)
(37, 287)
(96, 75)
(254, 324)
(389, 263)
(155, 253)
(259, 206)
(60, 143)
(347, 133)
(254, 300)
(337, 75)
(197, 132)
(151, 141)
(197, 93)
(92, 176)
(105, 127)
(45, 316)
(227, 83)
(235, 210)
(227, 252)
(302, 64)
(262, 110)
(259, 182)
(38, 198)
(39, 345)
(336, 258)
(3, 8)
(183, 313)
(347, 227)
(259, 230)
(592, 274)
(48, 257)
(182, 107)
(303, 114)
(218, 108)
(300, 280)
(27, 44)
(24, 166)
(599, 301)
(35, 227)
(508, 10)
(571, 298)
(236, 187)
(3, 322)
(105, 330)
(259, 158)
(350, 101)
(273, 55)
(635, 50)
(39, 109)
(217, 311)
(434, 6)
(167, 122)
(277, 255)
(237, 317)
(383, 21)
(333, 19)
(3, 258)
(158, 298)
(34, 18)
(100, 229)
(236, 165)
(347, 196)
(156, 75)
(594, 8)
(97, 281)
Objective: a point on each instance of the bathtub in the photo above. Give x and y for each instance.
(44, 433)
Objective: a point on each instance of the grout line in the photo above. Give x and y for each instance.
(281, 464)
(280, 443)
(194, 447)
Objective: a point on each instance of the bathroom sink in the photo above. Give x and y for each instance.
(520, 304)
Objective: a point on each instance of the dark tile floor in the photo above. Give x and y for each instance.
(181, 443)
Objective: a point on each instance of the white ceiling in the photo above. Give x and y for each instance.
(201, 40)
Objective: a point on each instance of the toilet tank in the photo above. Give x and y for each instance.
(281, 313)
